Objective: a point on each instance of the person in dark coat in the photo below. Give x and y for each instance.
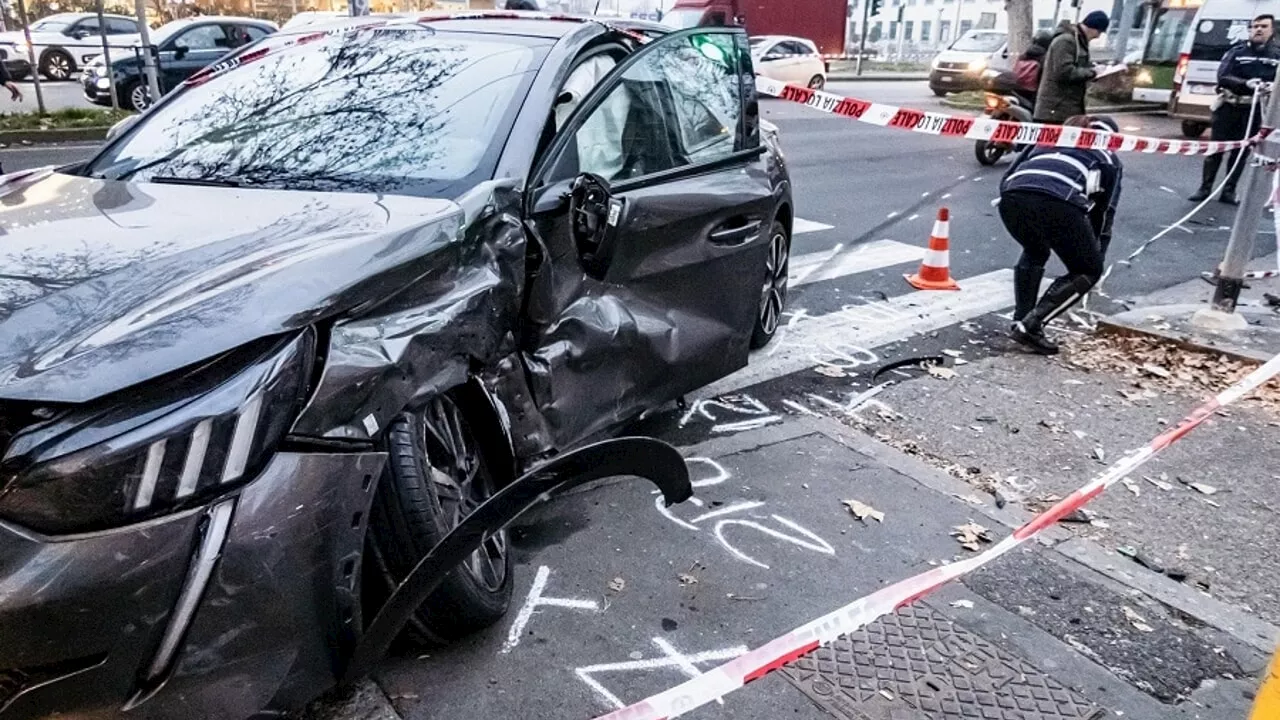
(1245, 68)
(1067, 70)
(1027, 69)
(1060, 201)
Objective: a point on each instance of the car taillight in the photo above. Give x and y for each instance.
(1180, 72)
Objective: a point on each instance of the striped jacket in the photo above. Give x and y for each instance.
(1088, 179)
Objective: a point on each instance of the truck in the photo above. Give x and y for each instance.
(822, 21)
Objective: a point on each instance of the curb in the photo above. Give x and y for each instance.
(1116, 325)
(53, 136)
(875, 77)
(1246, 629)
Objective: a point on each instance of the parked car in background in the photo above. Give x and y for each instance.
(960, 66)
(312, 17)
(184, 47)
(65, 42)
(297, 322)
(789, 59)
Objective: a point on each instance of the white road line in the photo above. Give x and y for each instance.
(869, 326)
(800, 226)
(814, 267)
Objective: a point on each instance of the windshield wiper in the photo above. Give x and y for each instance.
(166, 180)
(141, 166)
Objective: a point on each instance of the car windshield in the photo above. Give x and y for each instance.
(979, 42)
(682, 19)
(51, 25)
(399, 110)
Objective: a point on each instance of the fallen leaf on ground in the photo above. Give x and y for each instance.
(967, 604)
(970, 535)
(862, 511)
(941, 372)
(617, 584)
(1157, 371)
(1137, 621)
(1158, 483)
(687, 579)
(833, 372)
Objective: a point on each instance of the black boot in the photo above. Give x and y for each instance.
(1036, 341)
(1026, 288)
(1228, 196)
(1208, 174)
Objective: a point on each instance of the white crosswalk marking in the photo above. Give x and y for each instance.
(800, 226)
(805, 338)
(838, 262)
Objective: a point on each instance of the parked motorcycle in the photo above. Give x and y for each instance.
(1004, 101)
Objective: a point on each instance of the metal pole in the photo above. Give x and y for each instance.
(31, 56)
(902, 30)
(862, 43)
(955, 32)
(106, 59)
(148, 52)
(1127, 13)
(1253, 205)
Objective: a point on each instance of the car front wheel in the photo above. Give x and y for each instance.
(135, 95)
(436, 475)
(773, 292)
(56, 65)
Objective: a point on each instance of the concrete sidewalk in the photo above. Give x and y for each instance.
(632, 599)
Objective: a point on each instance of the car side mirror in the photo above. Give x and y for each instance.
(594, 217)
(120, 127)
(180, 51)
(80, 34)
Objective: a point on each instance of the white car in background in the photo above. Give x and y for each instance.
(789, 59)
(312, 17)
(65, 42)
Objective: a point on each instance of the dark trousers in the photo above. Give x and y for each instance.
(1230, 122)
(1043, 224)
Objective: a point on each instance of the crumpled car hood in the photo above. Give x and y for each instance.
(106, 284)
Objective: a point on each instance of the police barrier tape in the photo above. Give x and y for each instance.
(982, 128)
(755, 664)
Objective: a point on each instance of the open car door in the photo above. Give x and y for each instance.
(654, 212)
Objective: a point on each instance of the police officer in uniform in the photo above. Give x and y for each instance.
(1246, 67)
(1060, 201)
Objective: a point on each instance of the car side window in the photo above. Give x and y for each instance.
(87, 25)
(777, 52)
(677, 106)
(795, 49)
(116, 26)
(205, 37)
(254, 32)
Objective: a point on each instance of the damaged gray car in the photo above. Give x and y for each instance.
(280, 362)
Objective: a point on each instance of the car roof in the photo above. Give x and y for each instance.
(219, 19)
(527, 24)
(777, 38)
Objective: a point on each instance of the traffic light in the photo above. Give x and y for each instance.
(875, 6)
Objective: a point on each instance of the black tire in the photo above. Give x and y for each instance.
(773, 293)
(437, 472)
(57, 65)
(1193, 129)
(940, 92)
(988, 153)
(21, 75)
(817, 82)
(134, 95)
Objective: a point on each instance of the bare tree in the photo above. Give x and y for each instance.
(1020, 26)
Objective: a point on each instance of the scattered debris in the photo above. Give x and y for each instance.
(940, 372)
(1157, 371)
(970, 535)
(1080, 434)
(1137, 621)
(1083, 515)
(1054, 427)
(1158, 483)
(1099, 454)
(971, 499)
(1132, 486)
(830, 371)
(617, 584)
(1102, 524)
(886, 694)
(953, 353)
(966, 604)
(1134, 554)
(687, 579)
(1202, 488)
(862, 511)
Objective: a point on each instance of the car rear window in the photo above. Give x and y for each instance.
(402, 110)
(1215, 37)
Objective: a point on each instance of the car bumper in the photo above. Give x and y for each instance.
(256, 594)
(957, 80)
(93, 93)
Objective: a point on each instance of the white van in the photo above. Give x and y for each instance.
(1219, 24)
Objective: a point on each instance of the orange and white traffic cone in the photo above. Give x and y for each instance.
(935, 269)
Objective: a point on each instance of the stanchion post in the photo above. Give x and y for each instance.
(1255, 195)
(862, 42)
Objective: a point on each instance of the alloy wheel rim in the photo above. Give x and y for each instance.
(140, 98)
(773, 294)
(59, 67)
(460, 487)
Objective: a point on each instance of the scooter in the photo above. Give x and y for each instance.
(1003, 101)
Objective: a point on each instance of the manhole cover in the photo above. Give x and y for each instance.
(917, 665)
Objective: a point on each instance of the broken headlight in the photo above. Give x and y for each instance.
(168, 445)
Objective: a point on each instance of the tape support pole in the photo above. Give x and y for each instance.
(983, 128)
(755, 664)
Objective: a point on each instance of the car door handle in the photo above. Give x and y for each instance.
(736, 235)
